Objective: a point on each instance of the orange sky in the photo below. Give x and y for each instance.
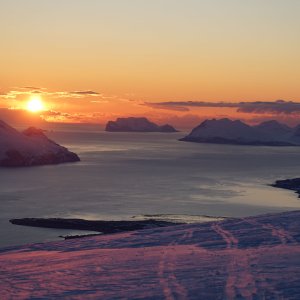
(128, 52)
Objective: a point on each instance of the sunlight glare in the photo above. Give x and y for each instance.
(35, 104)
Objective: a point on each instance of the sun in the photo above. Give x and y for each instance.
(35, 104)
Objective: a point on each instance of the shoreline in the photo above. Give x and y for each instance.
(147, 221)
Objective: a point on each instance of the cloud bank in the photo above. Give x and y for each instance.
(28, 91)
(258, 107)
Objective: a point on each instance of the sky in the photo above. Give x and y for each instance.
(95, 60)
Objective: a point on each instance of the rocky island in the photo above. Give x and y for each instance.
(30, 148)
(226, 131)
(137, 125)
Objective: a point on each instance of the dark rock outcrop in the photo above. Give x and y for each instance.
(98, 226)
(288, 184)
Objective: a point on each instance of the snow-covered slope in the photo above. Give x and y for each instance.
(226, 131)
(250, 258)
(30, 148)
(274, 126)
(275, 129)
(137, 125)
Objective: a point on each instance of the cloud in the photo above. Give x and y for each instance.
(20, 117)
(166, 107)
(257, 107)
(53, 113)
(27, 91)
(32, 88)
(89, 93)
(187, 104)
(64, 117)
(276, 107)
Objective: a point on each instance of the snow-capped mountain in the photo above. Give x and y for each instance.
(137, 125)
(30, 148)
(226, 131)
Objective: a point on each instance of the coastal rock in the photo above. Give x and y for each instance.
(30, 148)
(104, 227)
(288, 184)
(137, 125)
(226, 131)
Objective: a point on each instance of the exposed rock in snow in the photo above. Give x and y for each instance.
(226, 131)
(137, 125)
(30, 148)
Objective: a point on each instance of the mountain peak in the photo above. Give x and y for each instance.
(272, 123)
(30, 148)
(226, 131)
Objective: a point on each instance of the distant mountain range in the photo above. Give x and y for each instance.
(30, 148)
(137, 125)
(226, 131)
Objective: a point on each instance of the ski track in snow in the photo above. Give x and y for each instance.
(240, 281)
(250, 258)
(283, 236)
(171, 286)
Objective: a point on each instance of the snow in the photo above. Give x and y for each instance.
(249, 258)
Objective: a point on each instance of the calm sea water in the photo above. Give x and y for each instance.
(126, 174)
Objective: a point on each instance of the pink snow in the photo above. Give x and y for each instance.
(195, 261)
